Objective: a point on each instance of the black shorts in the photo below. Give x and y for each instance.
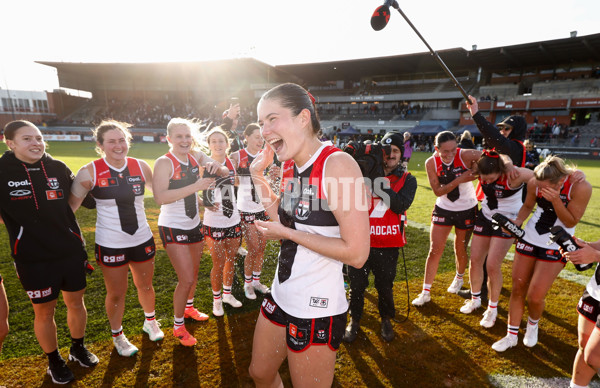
(302, 333)
(44, 280)
(249, 218)
(220, 234)
(464, 219)
(539, 253)
(483, 227)
(180, 236)
(589, 308)
(117, 257)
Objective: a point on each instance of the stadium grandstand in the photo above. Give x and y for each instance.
(555, 84)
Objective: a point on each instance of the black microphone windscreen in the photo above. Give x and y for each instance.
(380, 17)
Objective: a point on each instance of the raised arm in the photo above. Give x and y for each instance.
(572, 213)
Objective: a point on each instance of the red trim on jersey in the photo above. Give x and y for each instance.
(176, 174)
(315, 174)
(243, 158)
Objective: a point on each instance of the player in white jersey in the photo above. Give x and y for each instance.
(176, 183)
(222, 225)
(587, 359)
(322, 225)
(251, 209)
(503, 194)
(450, 175)
(123, 237)
(561, 200)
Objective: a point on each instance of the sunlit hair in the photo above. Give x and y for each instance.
(218, 130)
(443, 137)
(490, 162)
(295, 98)
(11, 128)
(528, 143)
(553, 169)
(107, 125)
(466, 136)
(250, 129)
(191, 125)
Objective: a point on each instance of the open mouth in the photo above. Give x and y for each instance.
(276, 144)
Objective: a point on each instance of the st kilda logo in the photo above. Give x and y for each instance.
(52, 183)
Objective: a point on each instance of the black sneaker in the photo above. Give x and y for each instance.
(84, 357)
(351, 330)
(60, 372)
(387, 332)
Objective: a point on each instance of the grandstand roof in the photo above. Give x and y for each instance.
(543, 54)
(165, 76)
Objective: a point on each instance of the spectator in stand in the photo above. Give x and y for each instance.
(466, 141)
(594, 142)
(532, 156)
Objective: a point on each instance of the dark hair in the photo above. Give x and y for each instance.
(250, 128)
(443, 137)
(107, 125)
(295, 98)
(490, 163)
(10, 129)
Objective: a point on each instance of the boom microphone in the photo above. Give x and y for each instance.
(380, 17)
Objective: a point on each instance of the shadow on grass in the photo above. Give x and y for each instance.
(117, 365)
(185, 366)
(147, 351)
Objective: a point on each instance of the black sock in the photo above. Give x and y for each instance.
(76, 342)
(54, 357)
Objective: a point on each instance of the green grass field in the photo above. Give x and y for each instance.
(21, 340)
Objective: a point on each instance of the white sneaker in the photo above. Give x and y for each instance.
(421, 299)
(218, 307)
(470, 306)
(258, 286)
(505, 343)
(531, 336)
(153, 329)
(456, 285)
(489, 318)
(249, 291)
(123, 346)
(230, 300)
(242, 251)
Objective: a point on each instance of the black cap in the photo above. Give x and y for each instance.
(518, 125)
(394, 138)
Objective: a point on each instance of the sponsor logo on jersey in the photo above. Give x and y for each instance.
(438, 219)
(587, 308)
(134, 179)
(149, 249)
(37, 294)
(249, 218)
(137, 189)
(107, 182)
(217, 234)
(319, 302)
(478, 228)
(53, 183)
(113, 258)
(195, 170)
(303, 209)
(19, 193)
(297, 336)
(524, 247)
(321, 333)
(24, 182)
(468, 222)
(269, 306)
(54, 194)
(181, 237)
(177, 175)
(308, 191)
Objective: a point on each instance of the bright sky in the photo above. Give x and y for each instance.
(273, 31)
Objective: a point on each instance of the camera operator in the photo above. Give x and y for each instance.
(387, 236)
(587, 359)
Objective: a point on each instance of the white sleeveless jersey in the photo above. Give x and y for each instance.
(172, 215)
(593, 286)
(218, 219)
(307, 284)
(466, 198)
(246, 195)
(119, 194)
(500, 198)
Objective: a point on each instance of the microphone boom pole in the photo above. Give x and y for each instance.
(435, 55)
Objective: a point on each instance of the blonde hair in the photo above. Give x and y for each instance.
(107, 125)
(193, 126)
(553, 169)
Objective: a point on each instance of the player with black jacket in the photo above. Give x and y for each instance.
(45, 241)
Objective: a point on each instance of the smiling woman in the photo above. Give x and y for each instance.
(44, 239)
